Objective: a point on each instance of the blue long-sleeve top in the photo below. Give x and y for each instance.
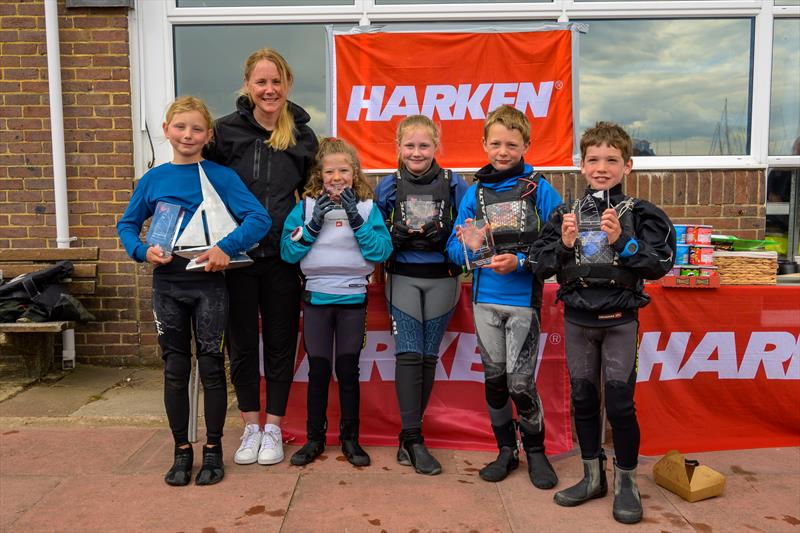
(373, 240)
(514, 288)
(386, 199)
(180, 185)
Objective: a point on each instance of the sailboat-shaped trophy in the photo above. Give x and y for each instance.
(210, 223)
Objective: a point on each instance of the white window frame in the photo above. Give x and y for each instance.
(152, 68)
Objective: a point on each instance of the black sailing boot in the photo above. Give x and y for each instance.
(413, 452)
(539, 468)
(181, 472)
(313, 447)
(348, 435)
(508, 458)
(627, 502)
(593, 485)
(212, 471)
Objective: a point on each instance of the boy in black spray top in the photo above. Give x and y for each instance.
(602, 247)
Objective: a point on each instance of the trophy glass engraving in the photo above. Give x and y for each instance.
(477, 243)
(593, 241)
(419, 210)
(164, 226)
(210, 223)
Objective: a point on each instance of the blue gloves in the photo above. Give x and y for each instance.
(350, 204)
(321, 208)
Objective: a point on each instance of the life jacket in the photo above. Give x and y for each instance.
(596, 261)
(335, 264)
(513, 214)
(426, 199)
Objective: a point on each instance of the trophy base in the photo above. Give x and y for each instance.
(237, 261)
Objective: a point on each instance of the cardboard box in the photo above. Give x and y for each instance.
(688, 479)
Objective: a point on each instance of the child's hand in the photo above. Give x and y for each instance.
(215, 259)
(569, 230)
(156, 256)
(609, 223)
(503, 263)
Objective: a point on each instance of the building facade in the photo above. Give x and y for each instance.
(708, 89)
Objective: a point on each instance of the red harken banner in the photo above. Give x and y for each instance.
(718, 369)
(456, 79)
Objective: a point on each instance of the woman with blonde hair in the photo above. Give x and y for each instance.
(268, 142)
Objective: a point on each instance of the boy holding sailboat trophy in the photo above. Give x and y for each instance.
(204, 219)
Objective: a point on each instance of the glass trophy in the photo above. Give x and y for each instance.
(593, 241)
(334, 192)
(164, 226)
(420, 210)
(478, 244)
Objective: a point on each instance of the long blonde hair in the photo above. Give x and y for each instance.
(329, 146)
(283, 136)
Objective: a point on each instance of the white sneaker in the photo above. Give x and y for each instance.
(248, 451)
(271, 451)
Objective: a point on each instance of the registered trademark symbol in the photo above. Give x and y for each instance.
(555, 338)
(559, 85)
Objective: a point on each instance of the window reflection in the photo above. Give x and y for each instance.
(784, 115)
(248, 3)
(680, 87)
(214, 73)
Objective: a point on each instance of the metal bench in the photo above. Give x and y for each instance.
(35, 341)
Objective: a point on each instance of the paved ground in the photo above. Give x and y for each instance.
(86, 452)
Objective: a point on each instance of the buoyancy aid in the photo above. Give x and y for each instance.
(512, 214)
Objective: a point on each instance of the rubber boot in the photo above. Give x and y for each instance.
(627, 502)
(593, 485)
(212, 471)
(539, 468)
(181, 472)
(508, 458)
(413, 452)
(348, 435)
(313, 447)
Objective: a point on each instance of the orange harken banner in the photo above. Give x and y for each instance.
(456, 79)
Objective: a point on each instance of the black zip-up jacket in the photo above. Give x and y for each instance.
(655, 237)
(272, 176)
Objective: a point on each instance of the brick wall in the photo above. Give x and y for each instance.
(98, 133)
(732, 201)
(99, 155)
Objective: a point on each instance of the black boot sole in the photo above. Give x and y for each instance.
(628, 518)
(564, 502)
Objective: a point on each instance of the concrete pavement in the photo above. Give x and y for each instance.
(86, 452)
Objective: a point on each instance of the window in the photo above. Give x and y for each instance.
(680, 87)
(300, 44)
(784, 115)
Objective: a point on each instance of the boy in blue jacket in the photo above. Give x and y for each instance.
(506, 296)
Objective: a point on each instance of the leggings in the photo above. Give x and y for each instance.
(613, 349)
(181, 303)
(508, 338)
(334, 336)
(420, 309)
(269, 288)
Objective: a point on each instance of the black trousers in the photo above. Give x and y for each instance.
(269, 288)
(184, 301)
(612, 351)
(333, 336)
